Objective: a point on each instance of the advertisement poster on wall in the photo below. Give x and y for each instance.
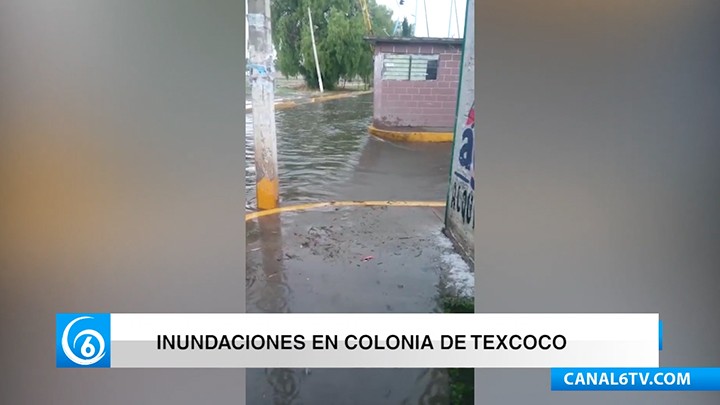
(460, 210)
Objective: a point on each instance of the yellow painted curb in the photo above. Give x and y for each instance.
(405, 136)
(303, 207)
(284, 105)
(320, 99)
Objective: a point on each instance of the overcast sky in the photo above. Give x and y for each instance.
(439, 12)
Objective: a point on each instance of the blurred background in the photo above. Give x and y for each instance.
(598, 176)
(121, 184)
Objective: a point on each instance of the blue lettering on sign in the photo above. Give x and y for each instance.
(463, 186)
(466, 153)
(466, 150)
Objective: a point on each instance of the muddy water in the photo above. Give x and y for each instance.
(310, 262)
(325, 153)
(318, 146)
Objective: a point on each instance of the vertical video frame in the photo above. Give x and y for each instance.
(360, 182)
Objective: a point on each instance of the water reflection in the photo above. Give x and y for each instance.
(399, 171)
(285, 384)
(436, 390)
(272, 297)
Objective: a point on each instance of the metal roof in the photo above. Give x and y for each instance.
(415, 40)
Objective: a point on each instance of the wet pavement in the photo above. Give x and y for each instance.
(347, 259)
(350, 259)
(343, 260)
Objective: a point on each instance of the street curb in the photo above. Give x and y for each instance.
(320, 99)
(284, 105)
(310, 206)
(411, 136)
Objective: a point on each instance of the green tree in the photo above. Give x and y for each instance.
(407, 29)
(340, 33)
(382, 21)
(345, 47)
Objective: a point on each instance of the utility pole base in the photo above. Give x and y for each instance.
(268, 191)
(260, 52)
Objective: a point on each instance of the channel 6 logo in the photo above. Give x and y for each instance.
(82, 340)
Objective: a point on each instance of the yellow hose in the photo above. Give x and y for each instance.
(302, 207)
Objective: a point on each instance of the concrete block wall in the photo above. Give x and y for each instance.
(429, 103)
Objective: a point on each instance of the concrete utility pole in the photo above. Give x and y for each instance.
(452, 3)
(260, 51)
(317, 62)
(457, 20)
(415, 25)
(427, 22)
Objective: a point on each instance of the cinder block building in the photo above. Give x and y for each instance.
(416, 83)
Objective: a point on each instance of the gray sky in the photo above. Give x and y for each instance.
(439, 12)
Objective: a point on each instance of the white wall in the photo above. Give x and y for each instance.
(460, 211)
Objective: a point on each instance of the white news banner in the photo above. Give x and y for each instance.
(357, 340)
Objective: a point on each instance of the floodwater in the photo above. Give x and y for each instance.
(311, 261)
(325, 153)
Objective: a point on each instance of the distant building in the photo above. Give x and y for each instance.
(416, 83)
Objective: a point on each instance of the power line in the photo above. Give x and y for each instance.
(416, 13)
(457, 20)
(452, 2)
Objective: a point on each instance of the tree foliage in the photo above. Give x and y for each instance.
(382, 21)
(408, 30)
(340, 32)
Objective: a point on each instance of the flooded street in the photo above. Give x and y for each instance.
(318, 147)
(325, 153)
(348, 259)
